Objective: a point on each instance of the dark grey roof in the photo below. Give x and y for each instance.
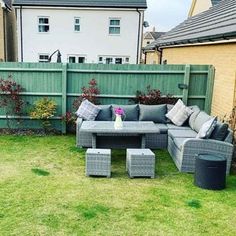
(217, 23)
(84, 3)
(214, 2)
(8, 3)
(156, 35)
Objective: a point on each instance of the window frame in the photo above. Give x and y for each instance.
(77, 56)
(114, 26)
(43, 24)
(77, 24)
(43, 60)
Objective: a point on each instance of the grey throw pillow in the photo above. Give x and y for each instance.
(220, 131)
(104, 113)
(207, 128)
(181, 115)
(87, 110)
(155, 113)
(131, 112)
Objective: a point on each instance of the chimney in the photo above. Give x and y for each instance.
(154, 29)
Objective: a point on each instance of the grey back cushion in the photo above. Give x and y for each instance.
(105, 113)
(155, 113)
(201, 118)
(131, 112)
(220, 132)
(193, 116)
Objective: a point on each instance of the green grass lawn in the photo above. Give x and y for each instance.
(43, 191)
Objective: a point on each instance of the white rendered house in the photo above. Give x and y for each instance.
(84, 31)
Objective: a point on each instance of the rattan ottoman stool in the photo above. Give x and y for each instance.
(98, 162)
(140, 163)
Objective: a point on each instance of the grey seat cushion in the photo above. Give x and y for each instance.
(173, 133)
(201, 118)
(172, 126)
(155, 113)
(104, 113)
(131, 112)
(163, 128)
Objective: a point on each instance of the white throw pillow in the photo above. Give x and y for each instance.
(178, 105)
(87, 110)
(207, 128)
(182, 115)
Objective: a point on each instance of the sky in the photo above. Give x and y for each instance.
(166, 14)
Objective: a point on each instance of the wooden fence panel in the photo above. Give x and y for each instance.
(118, 83)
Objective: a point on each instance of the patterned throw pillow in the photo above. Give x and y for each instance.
(172, 112)
(179, 113)
(87, 110)
(207, 128)
(182, 115)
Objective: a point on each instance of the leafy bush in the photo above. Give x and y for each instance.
(10, 98)
(89, 93)
(44, 109)
(153, 97)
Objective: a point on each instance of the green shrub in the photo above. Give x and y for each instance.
(44, 109)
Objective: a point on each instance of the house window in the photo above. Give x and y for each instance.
(77, 24)
(100, 60)
(43, 24)
(118, 61)
(72, 59)
(81, 59)
(114, 27)
(76, 59)
(43, 57)
(109, 60)
(113, 60)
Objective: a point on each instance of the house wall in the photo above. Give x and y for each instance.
(152, 57)
(222, 57)
(199, 6)
(93, 40)
(1, 35)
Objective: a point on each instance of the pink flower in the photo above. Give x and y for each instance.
(119, 111)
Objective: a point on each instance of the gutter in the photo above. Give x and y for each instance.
(21, 35)
(138, 41)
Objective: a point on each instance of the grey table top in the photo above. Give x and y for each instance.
(138, 127)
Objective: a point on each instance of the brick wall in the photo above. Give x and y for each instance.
(153, 57)
(1, 35)
(222, 56)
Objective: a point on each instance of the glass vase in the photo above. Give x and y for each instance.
(118, 124)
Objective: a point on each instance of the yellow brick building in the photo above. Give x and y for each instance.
(8, 48)
(205, 39)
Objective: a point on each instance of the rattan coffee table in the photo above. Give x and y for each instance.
(130, 128)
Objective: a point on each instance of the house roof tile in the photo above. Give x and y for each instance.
(84, 3)
(217, 23)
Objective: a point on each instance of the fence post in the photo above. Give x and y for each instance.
(64, 95)
(186, 82)
(209, 90)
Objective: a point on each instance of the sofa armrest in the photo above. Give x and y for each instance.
(194, 147)
(79, 122)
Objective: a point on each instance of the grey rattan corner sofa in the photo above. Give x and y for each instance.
(181, 142)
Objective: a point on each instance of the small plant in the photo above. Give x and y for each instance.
(10, 98)
(89, 93)
(153, 97)
(69, 118)
(44, 109)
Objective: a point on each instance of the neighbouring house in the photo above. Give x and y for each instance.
(149, 37)
(199, 6)
(8, 51)
(101, 31)
(207, 38)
